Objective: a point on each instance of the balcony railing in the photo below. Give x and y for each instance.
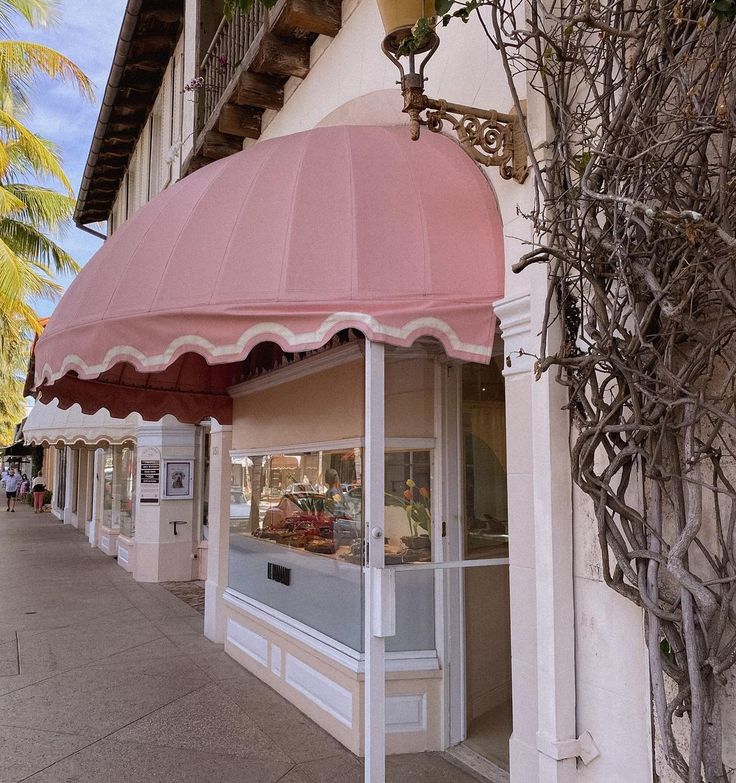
(233, 39)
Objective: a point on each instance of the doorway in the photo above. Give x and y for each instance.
(488, 712)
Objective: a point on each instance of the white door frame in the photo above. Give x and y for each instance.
(448, 564)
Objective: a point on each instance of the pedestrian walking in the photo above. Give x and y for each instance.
(12, 485)
(25, 487)
(38, 488)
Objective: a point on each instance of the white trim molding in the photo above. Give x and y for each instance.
(514, 314)
(414, 660)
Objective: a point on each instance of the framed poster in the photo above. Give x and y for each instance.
(178, 479)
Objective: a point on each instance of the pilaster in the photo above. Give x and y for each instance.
(68, 514)
(164, 552)
(218, 516)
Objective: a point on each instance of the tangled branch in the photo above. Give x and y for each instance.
(635, 216)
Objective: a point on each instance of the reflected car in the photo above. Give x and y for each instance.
(239, 506)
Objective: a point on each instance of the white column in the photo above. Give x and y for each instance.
(218, 523)
(69, 486)
(543, 745)
(375, 587)
(555, 599)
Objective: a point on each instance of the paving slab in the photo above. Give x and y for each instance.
(127, 762)
(205, 720)
(25, 751)
(117, 683)
(97, 699)
(292, 731)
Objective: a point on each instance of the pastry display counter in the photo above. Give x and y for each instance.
(302, 513)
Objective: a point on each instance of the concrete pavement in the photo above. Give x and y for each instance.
(106, 680)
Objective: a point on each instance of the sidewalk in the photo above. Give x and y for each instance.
(103, 680)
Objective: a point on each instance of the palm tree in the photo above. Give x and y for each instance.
(30, 213)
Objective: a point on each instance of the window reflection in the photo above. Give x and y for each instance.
(308, 501)
(127, 490)
(484, 437)
(107, 488)
(314, 502)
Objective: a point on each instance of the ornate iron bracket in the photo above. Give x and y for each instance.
(488, 136)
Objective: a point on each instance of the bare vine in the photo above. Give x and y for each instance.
(635, 216)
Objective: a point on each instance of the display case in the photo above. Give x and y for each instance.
(302, 512)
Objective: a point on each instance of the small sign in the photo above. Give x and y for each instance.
(150, 480)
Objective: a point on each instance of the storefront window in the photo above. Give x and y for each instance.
(75, 474)
(60, 500)
(408, 507)
(484, 436)
(127, 490)
(107, 488)
(305, 512)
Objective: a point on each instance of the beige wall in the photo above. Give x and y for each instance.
(324, 406)
(488, 639)
(328, 406)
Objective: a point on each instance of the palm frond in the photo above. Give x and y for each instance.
(45, 208)
(22, 145)
(9, 202)
(22, 63)
(30, 243)
(36, 12)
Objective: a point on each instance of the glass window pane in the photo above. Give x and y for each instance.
(301, 512)
(61, 482)
(107, 491)
(127, 491)
(484, 436)
(304, 512)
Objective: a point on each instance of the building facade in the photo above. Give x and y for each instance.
(505, 645)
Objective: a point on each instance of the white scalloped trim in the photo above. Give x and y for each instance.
(287, 339)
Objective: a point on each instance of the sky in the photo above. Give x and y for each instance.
(86, 31)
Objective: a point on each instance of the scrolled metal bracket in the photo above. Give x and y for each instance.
(490, 137)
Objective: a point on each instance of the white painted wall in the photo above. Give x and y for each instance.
(156, 160)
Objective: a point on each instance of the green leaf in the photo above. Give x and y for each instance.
(725, 8)
(443, 6)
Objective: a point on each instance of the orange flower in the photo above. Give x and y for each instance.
(407, 494)
(424, 492)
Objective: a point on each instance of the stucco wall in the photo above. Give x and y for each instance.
(328, 405)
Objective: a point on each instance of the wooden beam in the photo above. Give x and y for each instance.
(240, 121)
(322, 17)
(257, 89)
(151, 43)
(282, 58)
(220, 145)
(160, 16)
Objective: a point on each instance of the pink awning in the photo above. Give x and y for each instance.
(290, 241)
